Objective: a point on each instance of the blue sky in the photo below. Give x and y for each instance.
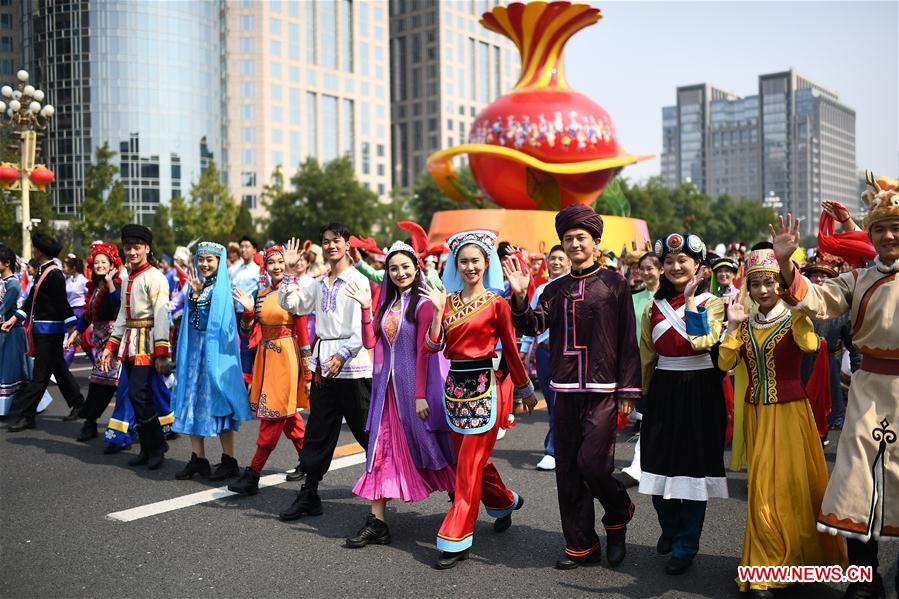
(634, 58)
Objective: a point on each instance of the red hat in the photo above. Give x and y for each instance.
(110, 250)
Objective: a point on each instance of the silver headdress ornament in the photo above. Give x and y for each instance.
(210, 247)
(399, 246)
(486, 240)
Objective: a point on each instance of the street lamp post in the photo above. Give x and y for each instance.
(23, 115)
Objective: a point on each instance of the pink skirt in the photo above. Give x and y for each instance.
(393, 473)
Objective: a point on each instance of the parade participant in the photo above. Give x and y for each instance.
(341, 382)
(650, 268)
(140, 339)
(234, 260)
(101, 309)
(862, 497)
(210, 398)
(14, 367)
(558, 264)
(280, 376)
(787, 471)
(467, 325)
(724, 271)
(246, 276)
(178, 294)
(595, 373)
(837, 332)
(122, 425)
(410, 454)
(684, 419)
(76, 290)
(48, 315)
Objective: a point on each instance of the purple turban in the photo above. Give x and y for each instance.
(578, 216)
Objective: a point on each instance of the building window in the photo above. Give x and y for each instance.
(247, 45)
(275, 70)
(277, 93)
(278, 158)
(293, 41)
(248, 134)
(366, 158)
(277, 135)
(346, 30)
(274, 26)
(247, 67)
(328, 38)
(311, 123)
(380, 170)
(293, 74)
(275, 48)
(248, 179)
(247, 90)
(246, 23)
(329, 128)
(249, 200)
(381, 189)
(248, 112)
(294, 106)
(311, 55)
(248, 156)
(349, 128)
(277, 114)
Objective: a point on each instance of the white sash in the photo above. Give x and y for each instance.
(674, 318)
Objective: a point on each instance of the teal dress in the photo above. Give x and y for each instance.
(15, 369)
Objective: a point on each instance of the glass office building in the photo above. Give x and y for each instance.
(143, 76)
(792, 143)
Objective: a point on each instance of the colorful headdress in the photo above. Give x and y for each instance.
(882, 202)
(730, 263)
(110, 250)
(486, 240)
(210, 247)
(677, 243)
(762, 260)
(271, 251)
(822, 262)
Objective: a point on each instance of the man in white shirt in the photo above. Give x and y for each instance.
(341, 383)
(245, 276)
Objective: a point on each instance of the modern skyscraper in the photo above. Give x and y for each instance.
(793, 143)
(306, 78)
(144, 77)
(10, 39)
(445, 68)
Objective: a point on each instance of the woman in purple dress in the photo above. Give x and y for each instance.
(410, 454)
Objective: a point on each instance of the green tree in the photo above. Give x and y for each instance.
(612, 200)
(318, 195)
(428, 198)
(395, 209)
(163, 234)
(243, 224)
(103, 209)
(40, 207)
(209, 214)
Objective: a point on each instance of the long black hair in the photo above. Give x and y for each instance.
(9, 256)
(666, 288)
(391, 292)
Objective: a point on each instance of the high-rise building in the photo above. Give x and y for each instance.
(445, 68)
(306, 79)
(10, 39)
(792, 144)
(144, 77)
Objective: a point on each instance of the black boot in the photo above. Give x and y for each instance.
(297, 473)
(158, 446)
(20, 424)
(677, 565)
(503, 523)
(375, 531)
(228, 468)
(74, 413)
(196, 465)
(616, 548)
(567, 562)
(88, 431)
(247, 484)
(663, 546)
(449, 559)
(866, 590)
(307, 503)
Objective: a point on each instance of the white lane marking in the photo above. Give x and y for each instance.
(177, 503)
(81, 369)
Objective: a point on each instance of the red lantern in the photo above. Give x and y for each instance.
(41, 176)
(8, 173)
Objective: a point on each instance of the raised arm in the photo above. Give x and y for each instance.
(804, 333)
(298, 295)
(729, 350)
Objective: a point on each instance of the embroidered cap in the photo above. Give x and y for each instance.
(677, 243)
(882, 202)
(271, 251)
(822, 262)
(730, 263)
(210, 247)
(761, 260)
(482, 238)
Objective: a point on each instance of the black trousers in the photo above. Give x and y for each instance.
(48, 361)
(330, 401)
(584, 430)
(140, 394)
(98, 398)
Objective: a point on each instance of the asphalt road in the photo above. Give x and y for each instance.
(57, 541)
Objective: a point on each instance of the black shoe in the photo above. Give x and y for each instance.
(307, 503)
(663, 546)
(74, 414)
(375, 531)
(616, 548)
(140, 459)
(449, 559)
(502, 524)
(111, 448)
(866, 590)
(171, 436)
(677, 565)
(761, 594)
(297, 473)
(227, 469)
(567, 562)
(247, 484)
(196, 465)
(627, 481)
(88, 431)
(20, 424)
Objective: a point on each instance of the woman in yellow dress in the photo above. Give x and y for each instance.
(787, 472)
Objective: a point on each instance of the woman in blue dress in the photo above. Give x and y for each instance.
(14, 370)
(210, 397)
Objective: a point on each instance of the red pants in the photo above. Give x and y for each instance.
(477, 480)
(293, 428)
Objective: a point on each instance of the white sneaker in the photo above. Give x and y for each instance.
(547, 463)
(500, 434)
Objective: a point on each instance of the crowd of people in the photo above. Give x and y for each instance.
(426, 354)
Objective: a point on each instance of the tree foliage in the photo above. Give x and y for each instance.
(163, 233)
(428, 198)
(319, 194)
(209, 214)
(40, 207)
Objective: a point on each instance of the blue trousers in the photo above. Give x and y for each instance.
(681, 521)
(543, 375)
